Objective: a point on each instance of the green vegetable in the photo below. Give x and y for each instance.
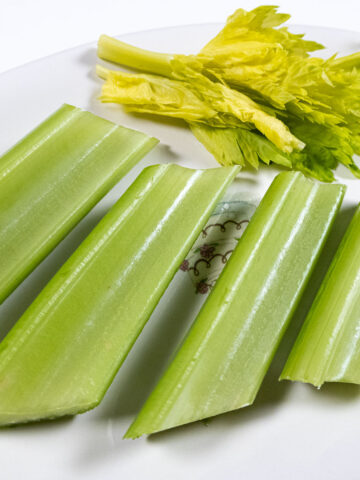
(327, 348)
(64, 352)
(198, 100)
(120, 52)
(255, 76)
(224, 357)
(239, 146)
(52, 178)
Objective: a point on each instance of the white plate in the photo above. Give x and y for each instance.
(292, 432)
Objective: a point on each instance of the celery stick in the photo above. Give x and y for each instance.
(62, 355)
(224, 357)
(52, 178)
(327, 348)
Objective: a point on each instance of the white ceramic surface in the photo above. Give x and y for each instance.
(52, 26)
(291, 432)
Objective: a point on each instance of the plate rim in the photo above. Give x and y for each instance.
(164, 29)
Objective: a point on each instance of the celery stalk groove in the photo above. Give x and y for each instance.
(62, 355)
(52, 178)
(327, 348)
(224, 357)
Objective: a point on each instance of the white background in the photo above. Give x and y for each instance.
(30, 29)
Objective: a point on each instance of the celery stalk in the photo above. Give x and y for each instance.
(224, 357)
(327, 348)
(116, 51)
(62, 355)
(52, 178)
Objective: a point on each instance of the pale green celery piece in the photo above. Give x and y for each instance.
(114, 50)
(63, 353)
(226, 353)
(52, 178)
(327, 348)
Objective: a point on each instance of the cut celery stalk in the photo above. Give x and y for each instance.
(327, 348)
(224, 357)
(62, 355)
(52, 178)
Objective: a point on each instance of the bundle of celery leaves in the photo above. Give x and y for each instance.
(252, 94)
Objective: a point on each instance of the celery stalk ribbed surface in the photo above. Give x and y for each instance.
(226, 353)
(328, 346)
(52, 178)
(61, 356)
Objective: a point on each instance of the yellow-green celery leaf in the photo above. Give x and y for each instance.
(257, 57)
(239, 146)
(194, 98)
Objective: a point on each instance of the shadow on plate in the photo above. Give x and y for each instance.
(148, 360)
(37, 426)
